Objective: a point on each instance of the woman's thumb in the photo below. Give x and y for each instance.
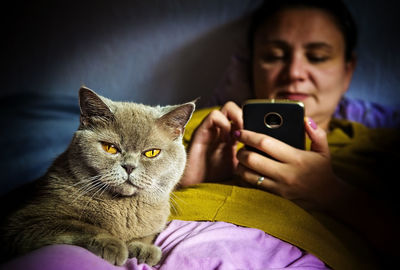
(319, 141)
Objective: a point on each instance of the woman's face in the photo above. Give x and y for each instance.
(299, 55)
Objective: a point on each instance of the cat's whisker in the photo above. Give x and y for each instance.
(82, 182)
(89, 179)
(89, 185)
(159, 189)
(81, 191)
(146, 179)
(86, 180)
(101, 188)
(100, 185)
(143, 180)
(174, 205)
(105, 187)
(145, 176)
(93, 177)
(79, 183)
(178, 198)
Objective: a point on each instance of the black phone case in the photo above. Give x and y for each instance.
(291, 130)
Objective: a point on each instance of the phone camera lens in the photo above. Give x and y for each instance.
(273, 120)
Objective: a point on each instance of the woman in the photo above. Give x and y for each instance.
(300, 50)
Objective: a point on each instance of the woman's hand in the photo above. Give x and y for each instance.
(305, 177)
(212, 151)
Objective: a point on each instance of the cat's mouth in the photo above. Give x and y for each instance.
(126, 189)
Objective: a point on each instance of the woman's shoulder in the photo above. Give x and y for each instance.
(351, 132)
(361, 154)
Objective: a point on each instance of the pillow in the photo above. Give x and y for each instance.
(36, 129)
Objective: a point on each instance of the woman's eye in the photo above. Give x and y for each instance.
(317, 58)
(273, 57)
(152, 153)
(109, 148)
(272, 53)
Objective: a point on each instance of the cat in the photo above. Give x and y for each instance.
(109, 191)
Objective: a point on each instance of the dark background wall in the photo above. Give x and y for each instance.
(377, 74)
(164, 51)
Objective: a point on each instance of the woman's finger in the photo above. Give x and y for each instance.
(216, 124)
(319, 141)
(234, 113)
(256, 180)
(269, 145)
(216, 119)
(260, 164)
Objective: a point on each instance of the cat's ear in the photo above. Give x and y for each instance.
(93, 109)
(175, 120)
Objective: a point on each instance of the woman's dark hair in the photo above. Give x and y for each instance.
(336, 8)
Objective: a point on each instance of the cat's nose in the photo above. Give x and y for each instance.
(128, 168)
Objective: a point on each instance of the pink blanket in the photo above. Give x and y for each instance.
(186, 245)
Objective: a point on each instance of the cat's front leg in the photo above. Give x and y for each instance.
(94, 239)
(109, 248)
(144, 251)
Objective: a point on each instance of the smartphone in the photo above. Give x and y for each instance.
(279, 118)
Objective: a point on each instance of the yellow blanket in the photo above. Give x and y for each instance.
(276, 216)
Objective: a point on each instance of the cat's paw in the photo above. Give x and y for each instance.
(144, 253)
(109, 248)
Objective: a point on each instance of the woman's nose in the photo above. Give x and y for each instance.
(296, 68)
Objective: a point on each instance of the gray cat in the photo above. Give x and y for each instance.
(109, 191)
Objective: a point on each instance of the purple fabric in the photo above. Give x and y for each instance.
(370, 114)
(220, 245)
(185, 245)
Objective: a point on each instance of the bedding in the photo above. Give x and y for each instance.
(330, 241)
(186, 245)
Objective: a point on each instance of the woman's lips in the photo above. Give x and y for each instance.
(293, 96)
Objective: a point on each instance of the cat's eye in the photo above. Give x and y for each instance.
(109, 148)
(152, 153)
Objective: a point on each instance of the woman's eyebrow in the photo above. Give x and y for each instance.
(283, 43)
(275, 42)
(319, 46)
